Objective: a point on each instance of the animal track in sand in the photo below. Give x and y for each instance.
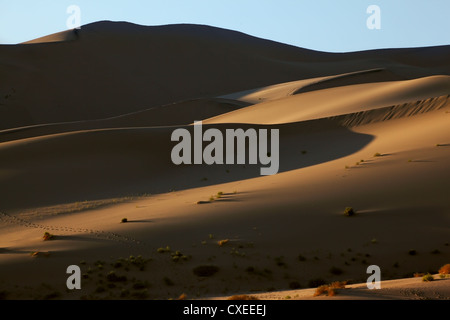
(4, 217)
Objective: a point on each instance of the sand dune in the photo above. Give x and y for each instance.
(85, 141)
(337, 101)
(68, 35)
(115, 68)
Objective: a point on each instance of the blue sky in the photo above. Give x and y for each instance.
(326, 25)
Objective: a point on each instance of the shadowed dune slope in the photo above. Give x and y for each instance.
(115, 68)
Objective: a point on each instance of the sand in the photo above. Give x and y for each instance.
(85, 142)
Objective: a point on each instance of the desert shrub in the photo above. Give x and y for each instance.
(330, 289)
(48, 236)
(428, 277)
(445, 269)
(222, 242)
(163, 250)
(338, 284)
(349, 211)
(377, 154)
(412, 252)
(321, 290)
(124, 220)
(205, 271)
(113, 277)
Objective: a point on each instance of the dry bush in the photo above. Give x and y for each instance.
(48, 236)
(445, 269)
(222, 242)
(329, 289)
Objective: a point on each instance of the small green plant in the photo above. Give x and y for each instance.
(349, 212)
(163, 250)
(428, 277)
(113, 277)
(48, 236)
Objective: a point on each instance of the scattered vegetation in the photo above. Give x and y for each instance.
(177, 256)
(445, 269)
(113, 277)
(205, 271)
(48, 236)
(222, 242)
(253, 271)
(349, 212)
(163, 250)
(428, 277)
(330, 289)
(39, 254)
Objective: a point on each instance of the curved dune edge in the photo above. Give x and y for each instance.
(282, 90)
(63, 36)
(338, 101)
(178, 113)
